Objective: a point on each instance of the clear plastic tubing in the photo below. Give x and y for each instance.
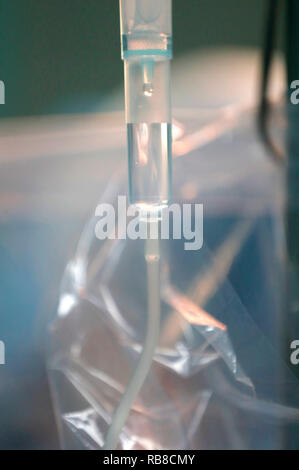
(146, 36)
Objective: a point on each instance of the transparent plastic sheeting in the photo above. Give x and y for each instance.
(217, 379)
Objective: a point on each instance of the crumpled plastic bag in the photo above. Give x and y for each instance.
(217, 380)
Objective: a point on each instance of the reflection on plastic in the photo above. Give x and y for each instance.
(217, 380)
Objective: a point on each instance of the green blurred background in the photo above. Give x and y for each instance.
(60, 56)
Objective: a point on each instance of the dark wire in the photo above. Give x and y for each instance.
(267, 58)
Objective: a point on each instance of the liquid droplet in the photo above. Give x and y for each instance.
(148, 89)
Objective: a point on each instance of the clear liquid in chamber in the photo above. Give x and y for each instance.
(149, 148)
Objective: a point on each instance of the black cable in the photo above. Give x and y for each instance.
(267, 58)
